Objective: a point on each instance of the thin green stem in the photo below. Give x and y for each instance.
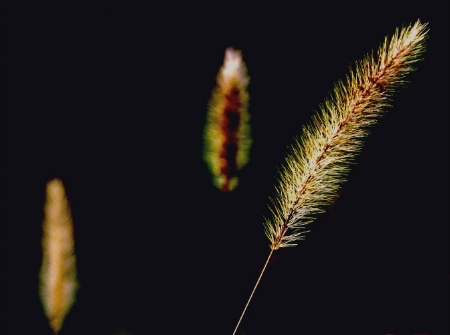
(254, 289)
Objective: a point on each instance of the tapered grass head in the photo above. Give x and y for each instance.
(320, 159)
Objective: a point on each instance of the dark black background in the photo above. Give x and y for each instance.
(111, 97)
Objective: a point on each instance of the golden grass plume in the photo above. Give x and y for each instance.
(58, 277)
(319, 160)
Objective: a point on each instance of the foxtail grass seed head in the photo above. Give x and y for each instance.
(58, 282)
(320, 159)
(227, 138)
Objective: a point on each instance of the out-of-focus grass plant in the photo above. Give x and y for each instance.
(58, 277)
(227, 139)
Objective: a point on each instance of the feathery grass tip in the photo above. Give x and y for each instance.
(319, 160)
(58, 282)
